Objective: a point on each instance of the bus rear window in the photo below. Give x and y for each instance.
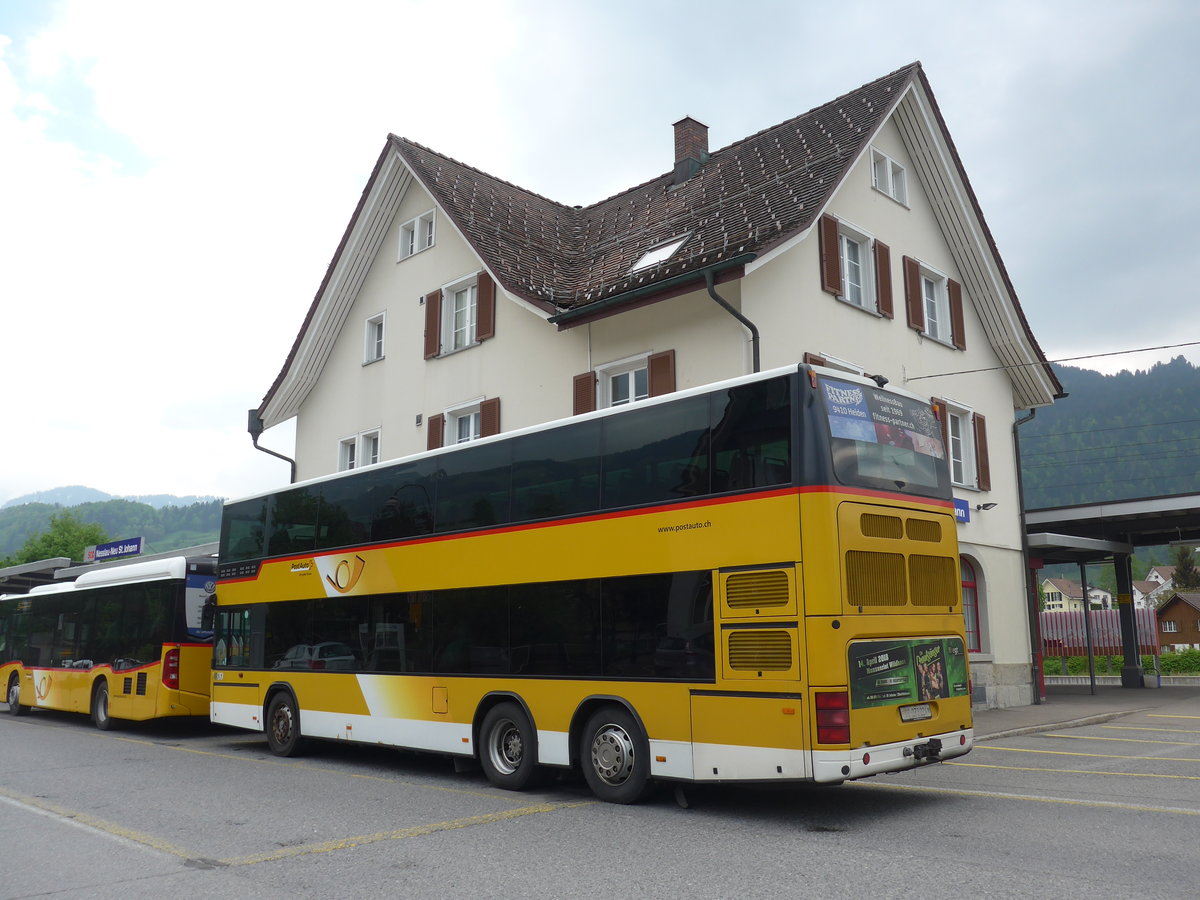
(883, 440)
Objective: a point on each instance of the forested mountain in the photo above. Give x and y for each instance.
(1116, 437)
(168, 528)
(77, 494)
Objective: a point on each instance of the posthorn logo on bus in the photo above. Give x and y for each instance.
(341, 573)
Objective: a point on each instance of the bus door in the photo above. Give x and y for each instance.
(752, 723)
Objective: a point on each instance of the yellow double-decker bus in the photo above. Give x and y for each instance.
(752, 581)
(120, 642)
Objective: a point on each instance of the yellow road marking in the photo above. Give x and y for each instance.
(102, 825)
(1074, 771)
(1088, 755)
(1034, 798)
(400, 833)
(1165, 716)
(1156, 730)
(1122, 740)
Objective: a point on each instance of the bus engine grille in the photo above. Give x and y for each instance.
(760, 650)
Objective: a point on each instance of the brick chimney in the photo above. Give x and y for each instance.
(691, 149)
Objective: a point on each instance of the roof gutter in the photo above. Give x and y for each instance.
(254, 425)
(725, 305)
(591, 309)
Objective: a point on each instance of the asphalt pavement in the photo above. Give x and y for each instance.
(1070, 705)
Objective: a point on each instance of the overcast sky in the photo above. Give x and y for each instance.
(174, 178)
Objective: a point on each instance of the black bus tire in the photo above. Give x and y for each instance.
(13, 695)
(508, 748)
(283, 725)
(615, 756)
(101, 716)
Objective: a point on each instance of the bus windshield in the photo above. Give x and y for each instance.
(884, 440)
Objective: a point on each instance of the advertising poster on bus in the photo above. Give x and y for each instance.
(885, 673)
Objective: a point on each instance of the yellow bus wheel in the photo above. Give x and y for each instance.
(615, 756)
(508, 747)
(283, 725)
(100, 714)
(14, 696)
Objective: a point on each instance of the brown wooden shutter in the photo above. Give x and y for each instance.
(489, 417)
(437, 432)
(485, 307)
(811, 359)
(583, 389)
(913, 301)
(983, 469)
(831, 260)
(954, 290)
(433, 325)
(661, 370)
(883, 279)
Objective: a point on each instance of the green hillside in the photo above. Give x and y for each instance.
(165, 529)
(1116, 437)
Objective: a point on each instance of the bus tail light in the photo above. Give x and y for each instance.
(833, 717)
(170, 670)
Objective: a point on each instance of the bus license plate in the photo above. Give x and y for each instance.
(916, 712)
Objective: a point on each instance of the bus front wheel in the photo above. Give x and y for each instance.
(615, 756)
(508, 748)
(283, 725)
(100, 714)
(14, 696)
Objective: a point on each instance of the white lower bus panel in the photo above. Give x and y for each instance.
(831, 766)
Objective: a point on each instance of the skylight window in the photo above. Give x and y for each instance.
(659, 254)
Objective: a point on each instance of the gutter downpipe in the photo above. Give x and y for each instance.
(1035, 625)
(710, 284)
(254, 425)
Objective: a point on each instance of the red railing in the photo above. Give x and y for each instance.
(1065, 633)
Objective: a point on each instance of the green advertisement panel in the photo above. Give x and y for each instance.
(889, 673)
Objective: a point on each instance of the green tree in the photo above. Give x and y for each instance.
(1187, 576)
(67, 536)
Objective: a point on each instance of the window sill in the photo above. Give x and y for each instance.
(414, 253)
(371, 362)
(884, 193)
(446, 353)
(870, 311)
(949, 345)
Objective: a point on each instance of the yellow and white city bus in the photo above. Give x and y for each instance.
(755, 581)
(119, 642)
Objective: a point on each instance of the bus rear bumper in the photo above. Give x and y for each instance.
(831, 766)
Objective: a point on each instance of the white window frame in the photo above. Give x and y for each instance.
(460, 334)
(1170, 626)
(834, 362)
(463, 418)
(960, 427)
(374, 335)
(659, 253)
(935, 304)
(864, 249)
(359, 450)
(417, 234)
(889, 177)
(626, 370)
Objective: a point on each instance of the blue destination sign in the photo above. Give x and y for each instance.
(115, 549)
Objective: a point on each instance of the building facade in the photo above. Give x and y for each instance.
(458, 305)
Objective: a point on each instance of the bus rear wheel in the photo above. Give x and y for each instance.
(508, 748)
(14, 696)
(100, 714)
(283, 725)
(615, 756)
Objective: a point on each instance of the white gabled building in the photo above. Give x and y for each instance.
(459, 305)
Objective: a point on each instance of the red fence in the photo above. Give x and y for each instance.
(1065, 633)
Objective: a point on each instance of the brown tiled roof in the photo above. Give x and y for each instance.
(746, 198)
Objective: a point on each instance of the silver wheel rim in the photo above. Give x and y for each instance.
(14, 694)
(101, 705)
(281, 725)
(612, 755)
(506, 749)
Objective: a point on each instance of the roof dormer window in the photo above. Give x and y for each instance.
(659, 253)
